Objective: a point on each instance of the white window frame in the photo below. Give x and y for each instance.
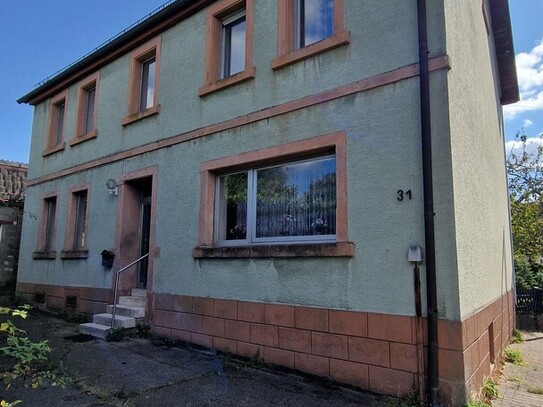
(252, 183)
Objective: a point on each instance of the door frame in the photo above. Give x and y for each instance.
(127, 237)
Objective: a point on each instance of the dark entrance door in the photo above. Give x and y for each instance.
(145, 227)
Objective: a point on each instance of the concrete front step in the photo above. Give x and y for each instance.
(132, 301)
(93, 329)
(127, 311)
(120, 321)
(139, 292)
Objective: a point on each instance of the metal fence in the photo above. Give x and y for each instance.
(530, 302)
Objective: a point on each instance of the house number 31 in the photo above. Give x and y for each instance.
(401, 195)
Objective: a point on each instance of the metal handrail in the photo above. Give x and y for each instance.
(117, 274)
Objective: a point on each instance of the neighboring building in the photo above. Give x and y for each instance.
(12, 184)
(268, 157)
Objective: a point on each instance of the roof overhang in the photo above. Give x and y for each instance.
(505, 51)
(181, 9)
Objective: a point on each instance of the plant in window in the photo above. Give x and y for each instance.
(319, 226)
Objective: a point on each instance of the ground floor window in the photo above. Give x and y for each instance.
(287, 202)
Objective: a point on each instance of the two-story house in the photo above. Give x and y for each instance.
(289, 166)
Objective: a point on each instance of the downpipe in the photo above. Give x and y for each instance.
(429, 241)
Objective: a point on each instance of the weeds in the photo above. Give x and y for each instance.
(32, 363)
(74, 317)
(490, 390)
(115, 335)
(535, 390)
(412, 400)
(516, 336)
(4, 403)
(143, 330)
(477, 404)
(513, 356)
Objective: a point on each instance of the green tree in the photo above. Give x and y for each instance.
(525, 180)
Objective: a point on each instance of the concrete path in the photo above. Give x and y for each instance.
(522, 386)
(145, 372)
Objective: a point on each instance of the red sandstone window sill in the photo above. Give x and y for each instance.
(339, 249)
(337, 40)
(74, 254)
(44, 255)
(53, 149)
(80, 139)
(227, 82)
(153, 110)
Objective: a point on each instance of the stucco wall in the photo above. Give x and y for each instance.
(477, 148)
(383, 155)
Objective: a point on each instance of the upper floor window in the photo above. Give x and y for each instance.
(85, 127)
(233, 44)
(229, 42)
(57, 123)
(143, 82)
(147, 88)
(90, 98)
(314, 21)
(307, 28)
(59, 112)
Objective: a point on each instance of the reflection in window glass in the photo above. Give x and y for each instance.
(289, 202)
(315, 20)
(90, 94)
(80, 233)
(233, 38)
(297, 199)
(233, 207)
(59, 129)
(49, 223)
(147, 83)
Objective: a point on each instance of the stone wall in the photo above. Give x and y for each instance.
(12, 184)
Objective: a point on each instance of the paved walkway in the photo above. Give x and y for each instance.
(148, 373)
(522, 386)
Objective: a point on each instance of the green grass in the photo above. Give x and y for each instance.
(513, 356)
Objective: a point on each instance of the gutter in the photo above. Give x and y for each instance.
(429, 241)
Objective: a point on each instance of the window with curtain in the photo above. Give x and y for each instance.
(290, 202)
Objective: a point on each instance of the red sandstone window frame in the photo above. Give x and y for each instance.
(213, 54)
(71, 249)
(312, 147)
(82, 111)
(138, 57)
(287, 53)
(55, 134)
(47, 227)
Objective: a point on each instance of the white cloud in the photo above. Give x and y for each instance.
(530, 78)
(515, 146)
(527, 123)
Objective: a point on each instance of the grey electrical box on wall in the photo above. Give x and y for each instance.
(415, 254)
